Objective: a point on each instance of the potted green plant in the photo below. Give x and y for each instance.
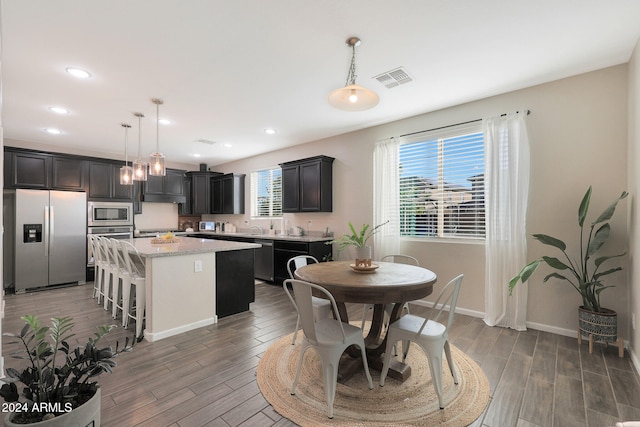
(359, 241)
(583, 274)
(60, 386)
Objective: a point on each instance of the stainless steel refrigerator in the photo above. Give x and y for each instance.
(45, 238)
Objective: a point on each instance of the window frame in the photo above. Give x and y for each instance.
(275, 174)
(477, 234)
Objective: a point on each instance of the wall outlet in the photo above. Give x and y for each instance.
(633, 321)
(197, 266)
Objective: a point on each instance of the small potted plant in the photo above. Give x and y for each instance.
(583, 274)
(359, 241)
(60, 387)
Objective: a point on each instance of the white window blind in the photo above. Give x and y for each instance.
(266, 193)
(442, 183)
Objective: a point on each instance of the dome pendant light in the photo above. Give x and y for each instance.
(352, 97)
(139, 167)
(126, 172)
(156, 164)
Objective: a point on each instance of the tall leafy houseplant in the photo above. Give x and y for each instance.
(585, 276)
(57, 378)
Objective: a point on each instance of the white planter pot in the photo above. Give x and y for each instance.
(363, 256)
(87, 415)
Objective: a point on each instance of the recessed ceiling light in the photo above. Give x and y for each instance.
(165, 121)
(226, 144)
(196, 155)
(270, 131)
(59, 110)
(53, 131)
(77, 72)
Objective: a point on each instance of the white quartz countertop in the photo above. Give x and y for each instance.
(186, 246)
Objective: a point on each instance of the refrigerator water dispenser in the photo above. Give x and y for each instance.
(32, 233)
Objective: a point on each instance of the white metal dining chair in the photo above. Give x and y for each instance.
(398, 259)
(321, 307)
(429, 334)
(121, 288)
(329, 337)
(133, 286)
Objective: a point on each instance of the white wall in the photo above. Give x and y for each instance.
(578, 133)
(634, 213)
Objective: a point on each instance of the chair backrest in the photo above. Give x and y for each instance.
(134, 263)
(448, 297)
(299, 261)
(105, 250)
(401, 259)
(302, 293)
(118, 256)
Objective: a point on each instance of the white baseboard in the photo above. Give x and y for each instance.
(155, 336)
(572, 333)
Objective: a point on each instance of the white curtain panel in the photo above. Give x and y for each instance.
(386, 197)
(506, 194)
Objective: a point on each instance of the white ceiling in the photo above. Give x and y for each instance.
(228, 69)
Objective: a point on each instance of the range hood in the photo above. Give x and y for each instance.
(163, 198)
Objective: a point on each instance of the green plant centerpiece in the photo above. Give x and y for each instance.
(584, 274)
(57, 378)
(358, 239)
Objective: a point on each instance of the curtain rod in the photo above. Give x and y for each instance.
(455, 124)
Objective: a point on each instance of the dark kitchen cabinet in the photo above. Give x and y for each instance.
(43, 171)
(27, 170)
(235, 283)
(104, 182)
(201, 191)
(186, 208)
(227, 194)
(68, 173)
(283, 251)
(168, 188)
(307, 185)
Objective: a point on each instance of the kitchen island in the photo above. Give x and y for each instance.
(193, 282)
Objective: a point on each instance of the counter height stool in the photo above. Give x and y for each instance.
(133, 295)
(98, 262)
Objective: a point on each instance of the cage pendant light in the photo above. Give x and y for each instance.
(126, 172)
(156, 163)
(139, 167)
(353, 97)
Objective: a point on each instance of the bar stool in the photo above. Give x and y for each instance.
(121, 286)
(98, 262)
(133, 285)
(110, 271)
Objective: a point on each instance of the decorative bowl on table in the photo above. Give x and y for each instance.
(359, 268)
(165, 239)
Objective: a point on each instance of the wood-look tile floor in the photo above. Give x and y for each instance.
(207, 376)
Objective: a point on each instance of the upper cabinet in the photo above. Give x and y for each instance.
(227, 194)
(43, 171)
(201, 191)
(167, 189)
(104, 182)
(307, 185)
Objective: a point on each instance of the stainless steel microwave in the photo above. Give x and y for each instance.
(109, 213)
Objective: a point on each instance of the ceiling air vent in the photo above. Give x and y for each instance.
(394, 78)
(205, 141)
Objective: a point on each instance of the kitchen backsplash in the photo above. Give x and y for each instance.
(157, 216)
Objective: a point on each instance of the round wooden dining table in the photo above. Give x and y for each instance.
(389, 286)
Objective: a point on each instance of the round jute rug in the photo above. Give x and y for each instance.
(413, 402)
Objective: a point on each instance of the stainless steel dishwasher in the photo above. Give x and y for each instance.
(264, 260)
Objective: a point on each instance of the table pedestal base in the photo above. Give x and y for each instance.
(349, 366)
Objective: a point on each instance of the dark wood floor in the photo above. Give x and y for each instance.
(207, 376)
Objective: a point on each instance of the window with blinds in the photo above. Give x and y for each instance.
(266, 193)
(441, 188)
